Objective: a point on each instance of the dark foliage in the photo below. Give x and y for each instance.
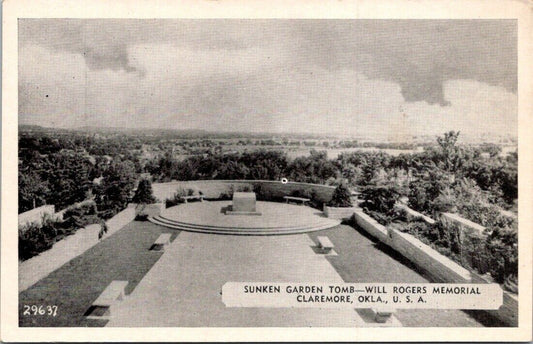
(144, 193)
(116, 188)
(341, 197)
(380, 198)
(81, 215)
(36, 238)
(177, 198)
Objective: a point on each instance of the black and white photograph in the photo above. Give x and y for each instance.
(267, 173)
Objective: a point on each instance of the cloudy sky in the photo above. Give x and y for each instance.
(349, 77)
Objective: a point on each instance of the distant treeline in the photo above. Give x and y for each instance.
(61, 169)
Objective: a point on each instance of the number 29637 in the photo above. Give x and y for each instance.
(48, 310)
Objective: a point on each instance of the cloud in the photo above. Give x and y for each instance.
(102, 46)
(385, 77)
(419, 55)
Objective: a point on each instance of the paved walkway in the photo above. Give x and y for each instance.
(183, 288)
(38, 267)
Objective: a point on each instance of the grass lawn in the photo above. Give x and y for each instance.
(73, 287)
(362, 258)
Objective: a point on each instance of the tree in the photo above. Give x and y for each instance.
(32, 191)
(144, 193)
(452, 157)
(116, 188)
(315, 168)
(341, 197)
(380, 198)
(447, 143)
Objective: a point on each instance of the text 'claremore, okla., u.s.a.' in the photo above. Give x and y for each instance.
(362, 295)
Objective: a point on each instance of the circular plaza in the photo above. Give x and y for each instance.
(270, 218)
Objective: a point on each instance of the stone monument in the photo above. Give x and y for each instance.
(244, 203)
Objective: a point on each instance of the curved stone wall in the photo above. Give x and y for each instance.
(215, 188)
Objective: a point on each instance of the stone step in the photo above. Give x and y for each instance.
(192, 225)
(325, 222)
(240, 231)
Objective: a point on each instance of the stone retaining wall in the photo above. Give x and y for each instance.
(414, 215)
(371, 226)
(339, 213)
(35, 215)
(38, 267)
(465, 226)
(215, 188)
(439, 267)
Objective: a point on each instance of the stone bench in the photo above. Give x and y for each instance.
(324, 244)
(296, 199)
(161, 242)
(382, 315)
(115, 291)
(187, 198)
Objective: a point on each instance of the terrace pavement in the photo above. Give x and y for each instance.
(181, 287)
(184, 287)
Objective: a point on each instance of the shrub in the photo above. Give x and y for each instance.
(81, 215)
(144, 193)
(243, 188)
(103, 226)
(259, 192)
(174, 200)
(80, 209)
(511, 283)
(502, 254)
(380, 198)
(35, 238)
(181, 192)
(315, 202)
(226, 195)
(495, 254)
(264, 194)
(108, 213)
(103, 229)
(341, 197)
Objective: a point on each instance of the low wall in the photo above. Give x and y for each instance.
(439, 267)
(414, 215)
(465, 226)
(371, 226)
(38, 267)
(214, 188)
(339, 213)
(35, 215)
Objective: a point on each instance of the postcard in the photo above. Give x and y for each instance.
(266, 171)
